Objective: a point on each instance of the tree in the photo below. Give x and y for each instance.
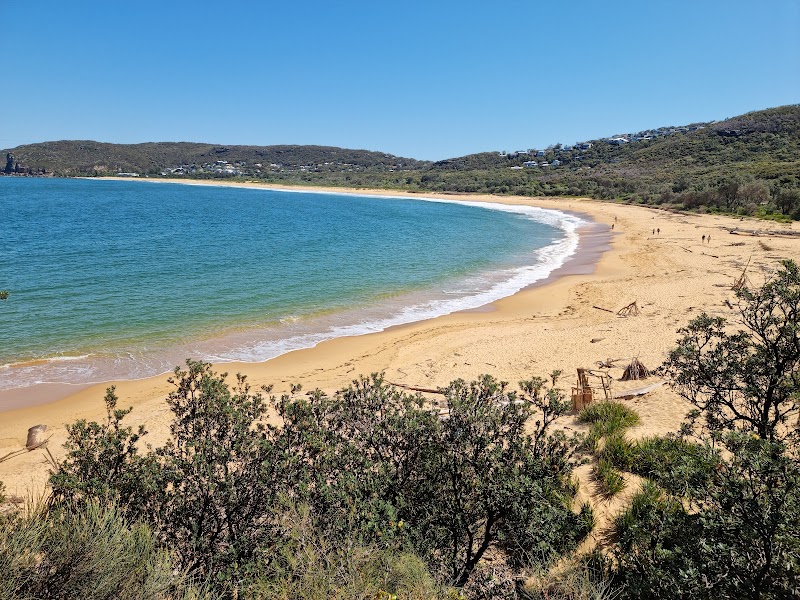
(747, 380)
(724, 519)
(491, 483)
(218, 480)
(451, 482)
(103, 461)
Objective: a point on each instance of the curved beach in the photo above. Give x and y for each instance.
(673, 276)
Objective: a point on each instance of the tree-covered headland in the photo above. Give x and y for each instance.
(744, 165)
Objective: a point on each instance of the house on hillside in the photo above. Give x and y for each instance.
(555, 163)
(530, 163)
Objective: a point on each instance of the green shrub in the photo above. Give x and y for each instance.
(486, 478)
(608, 417)
(674, 463)
(310, 564)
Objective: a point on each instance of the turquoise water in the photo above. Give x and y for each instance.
(113, 279)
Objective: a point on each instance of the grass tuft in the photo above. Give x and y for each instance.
(609, 479)
(608, 418)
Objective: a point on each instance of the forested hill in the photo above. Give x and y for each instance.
(748, 164)
(83, 157)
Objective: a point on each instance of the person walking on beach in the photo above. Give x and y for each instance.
(658, 231)
(708, 238)
(704, 238)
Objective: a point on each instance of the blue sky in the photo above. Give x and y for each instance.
(428, 80)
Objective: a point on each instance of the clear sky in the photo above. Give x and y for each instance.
(427, 80)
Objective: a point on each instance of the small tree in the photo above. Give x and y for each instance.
(451, 482)
(491, 483)
(218, 476)
(748, 380)
(103, 461)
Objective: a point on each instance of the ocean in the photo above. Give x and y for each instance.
(127, 279)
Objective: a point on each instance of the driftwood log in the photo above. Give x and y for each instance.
(414, 388)
(605, 309)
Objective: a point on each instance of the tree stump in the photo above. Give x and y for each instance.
(35, 437)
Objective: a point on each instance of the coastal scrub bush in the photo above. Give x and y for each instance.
(452, 482)
(609, 479)
(103, 461)
(218, 477)
(377, 469)
(208, 493)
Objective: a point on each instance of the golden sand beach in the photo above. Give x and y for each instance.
(673, 276)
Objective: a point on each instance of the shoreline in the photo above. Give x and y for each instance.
(591, 239)
(552, 325)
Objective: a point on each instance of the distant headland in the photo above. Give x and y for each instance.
(744, 165)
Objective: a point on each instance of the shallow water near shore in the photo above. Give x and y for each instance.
(120, 280)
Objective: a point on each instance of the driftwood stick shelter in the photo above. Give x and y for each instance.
(632, 310)
(635, 370)
(742, 280)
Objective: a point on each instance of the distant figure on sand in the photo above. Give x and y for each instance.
(708, 238)
(654, 231)
(612, 227)
(704, 238)
(658, 231)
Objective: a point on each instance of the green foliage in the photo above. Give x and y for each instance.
(103, 461)
(309, 564)
(608, 418)
(618, 451)
(217, 481)
(460, 485)
(737, 537)
(610, 480)
(748, 380)
(675, 463)
(87, 551)
(378, 469)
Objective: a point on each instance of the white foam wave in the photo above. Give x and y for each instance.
(293, 333)
(503, 283)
